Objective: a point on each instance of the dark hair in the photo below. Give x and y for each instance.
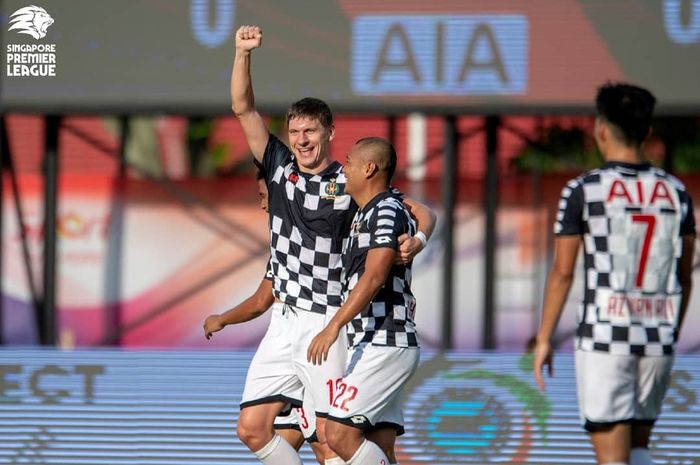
(310, 107)
(628, 108)
(260, 170)
(385, 151)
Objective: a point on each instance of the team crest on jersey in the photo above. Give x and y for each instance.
(331, 189)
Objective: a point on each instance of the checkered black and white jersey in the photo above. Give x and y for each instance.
(631, 218)
(388, 320)
(309, 217)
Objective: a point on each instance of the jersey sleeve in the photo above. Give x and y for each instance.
(569, 220)
(387, 225)
(688, 225)
(276, 154)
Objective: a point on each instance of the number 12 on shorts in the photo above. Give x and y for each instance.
(339, 394)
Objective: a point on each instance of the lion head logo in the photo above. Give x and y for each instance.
(32, 20)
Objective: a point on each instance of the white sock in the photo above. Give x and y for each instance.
(614, 463)
(640, 456)
(278, 452)
(334, 461)
(368, 454)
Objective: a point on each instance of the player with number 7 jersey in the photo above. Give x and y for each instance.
(631, 217)
(637, 226)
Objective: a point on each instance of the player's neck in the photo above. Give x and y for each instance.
(624, 154)
(323, 164)
(366, 196)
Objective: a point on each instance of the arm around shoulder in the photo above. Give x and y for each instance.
(424, 216)
(425, 221)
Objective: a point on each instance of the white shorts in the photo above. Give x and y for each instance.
(318, 380)
(620, 388)
(301, 419)
(280, 371)
(370, 395)
(271, 376)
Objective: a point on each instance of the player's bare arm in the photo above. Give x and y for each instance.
(558, 285)
(685, 273)
(248, 38)
(409, 246)
(377, 266)
(249, 309)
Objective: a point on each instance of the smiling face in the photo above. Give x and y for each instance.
(310, 143)
(355, 170)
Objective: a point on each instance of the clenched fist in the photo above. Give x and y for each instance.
(248, 38)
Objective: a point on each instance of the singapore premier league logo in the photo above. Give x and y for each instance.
(32, 20)
(31, 59)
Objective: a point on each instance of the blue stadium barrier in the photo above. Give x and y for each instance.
(168, 408)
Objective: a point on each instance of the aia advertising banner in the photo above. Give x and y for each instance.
(497, 56)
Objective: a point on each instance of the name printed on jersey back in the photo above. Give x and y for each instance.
(626, 308)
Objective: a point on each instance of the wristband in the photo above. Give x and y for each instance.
(420, 235)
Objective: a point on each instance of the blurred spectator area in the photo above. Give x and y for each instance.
(169, 135)
(177, 148)
(195, 175)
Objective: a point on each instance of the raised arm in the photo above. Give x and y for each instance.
(248, 38)
(249, 309)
